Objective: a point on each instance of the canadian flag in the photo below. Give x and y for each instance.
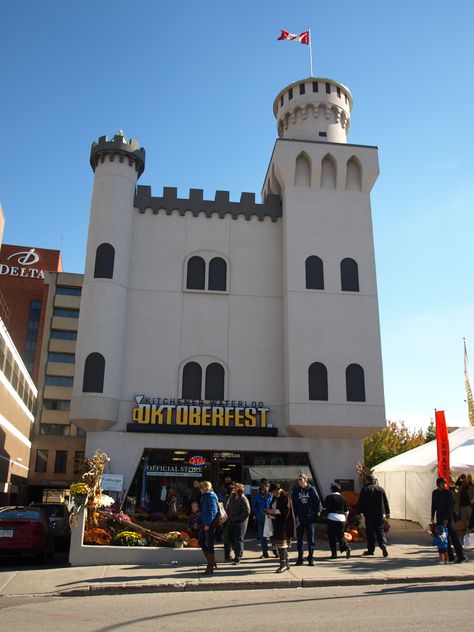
(303, 38)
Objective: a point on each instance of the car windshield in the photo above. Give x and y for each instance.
(53, 511)
(20, 514)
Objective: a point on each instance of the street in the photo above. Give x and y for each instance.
(424, 607)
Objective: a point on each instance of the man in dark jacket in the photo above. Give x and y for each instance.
(373, 503)
(307, 507)
(442, 503)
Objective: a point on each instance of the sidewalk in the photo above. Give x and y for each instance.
(411, 559)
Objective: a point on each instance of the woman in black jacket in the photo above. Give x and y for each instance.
(283, 521)
(337, 511)
(238, 512)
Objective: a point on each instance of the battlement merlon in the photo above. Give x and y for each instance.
(221, 205)
(118, 146)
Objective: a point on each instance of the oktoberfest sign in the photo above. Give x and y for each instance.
(442, 444)
(155, 414)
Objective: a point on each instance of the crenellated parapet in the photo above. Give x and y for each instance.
(221, 205)
(118, 148)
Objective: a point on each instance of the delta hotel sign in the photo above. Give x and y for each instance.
(21, 264)
(156, 414)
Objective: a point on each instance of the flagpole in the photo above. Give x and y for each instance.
(310, 55)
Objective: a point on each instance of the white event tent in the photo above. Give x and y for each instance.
(409, 478)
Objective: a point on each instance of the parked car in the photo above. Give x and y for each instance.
(25, 531)
(58, 517)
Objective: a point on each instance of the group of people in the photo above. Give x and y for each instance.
(282, 516)
(442, 518)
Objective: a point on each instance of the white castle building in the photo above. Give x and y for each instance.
(223, 338)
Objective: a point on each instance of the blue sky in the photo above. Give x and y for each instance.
(194, 82)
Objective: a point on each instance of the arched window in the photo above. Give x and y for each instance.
(328, 173)
(104, 262)
(353, 177)
(196, 273)
(303, 171)
(349, 276)
(355, 383)
(214, 382)
(192, 379)
(217, 274)
(94, 369)
(314, 273)
(318, 382)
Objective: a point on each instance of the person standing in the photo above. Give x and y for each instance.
(465, 498)
(260, 502)
(283, 522)
(337, 512)
(307, 508)
(442, 503)
(373, 503)
(238, 512)
(209, 510)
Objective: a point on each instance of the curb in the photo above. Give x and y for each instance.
(203, 586)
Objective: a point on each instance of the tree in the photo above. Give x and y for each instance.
(430, 434)
(390, 441)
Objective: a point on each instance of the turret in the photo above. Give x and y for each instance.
(117, 165)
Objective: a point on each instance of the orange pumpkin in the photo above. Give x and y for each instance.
(348, 536)
(193, 543)
(354, 533)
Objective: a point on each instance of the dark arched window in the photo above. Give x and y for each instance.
(355, 383)
(214, 382)
(314, 273)
(192, 378)
(318, 381)
(217, 274)
(104, 262)
(94, 369)
(349, 276)
(196, 274)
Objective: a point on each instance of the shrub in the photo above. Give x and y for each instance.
(97, 536)
(128, 538)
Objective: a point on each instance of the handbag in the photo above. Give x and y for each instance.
(268, 527)
(221, 516)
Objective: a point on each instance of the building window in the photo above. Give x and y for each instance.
(355, 383)
(217, 274)
(60, 462)
(349, 276)
(56, 404)
(315, 86)
(290, 93)
(65, 313)
(314, 273)
(281, 101)
(80, 432)
(41, 464)
(328, 88)
(196, 274)
(214, 382)
(338, 92)
(323, 134)
(104, 262)
(69, 358)
(302, 88)
(32, 334)
(68, 291)
(60, 334)
(328, 172)
(318, 382)
(78, 461)
(54, 429)
(58, 380)
(94, 370)
(192, 379)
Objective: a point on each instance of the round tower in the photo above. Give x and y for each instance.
(117, 165)
(314, 109)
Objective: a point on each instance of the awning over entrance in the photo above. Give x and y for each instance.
(278, 472)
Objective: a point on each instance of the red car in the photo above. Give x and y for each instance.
(25, 531)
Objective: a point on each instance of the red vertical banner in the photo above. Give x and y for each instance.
(442, 443)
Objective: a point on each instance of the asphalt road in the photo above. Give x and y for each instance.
(423, 607)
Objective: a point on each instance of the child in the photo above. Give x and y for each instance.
(193, 520)
(441, 541)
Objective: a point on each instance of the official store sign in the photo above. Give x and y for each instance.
(155, 414)
(20, 264)
(174, 470)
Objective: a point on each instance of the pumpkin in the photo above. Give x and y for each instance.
(348, 536)
(351, 497)
(354, 533)
(193, 543)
